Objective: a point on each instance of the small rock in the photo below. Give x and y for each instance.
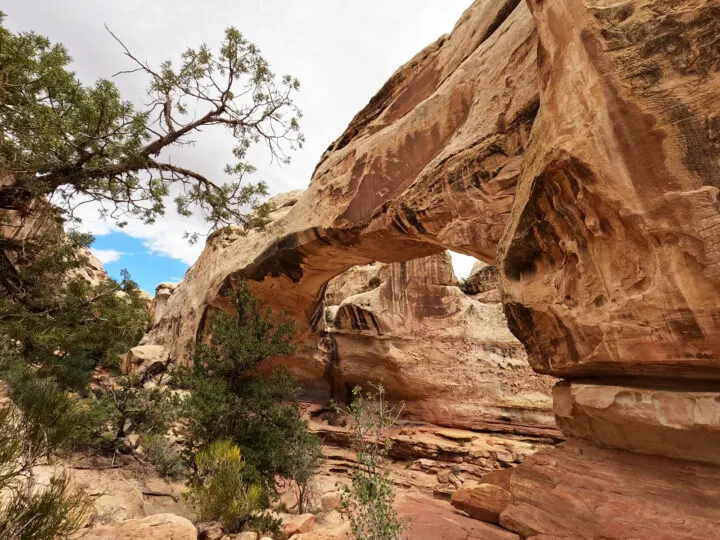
(210, 531)
(426, 463)
(456, 435)
(443, 476)
(299, 524)
(246, 536)
(503, 456)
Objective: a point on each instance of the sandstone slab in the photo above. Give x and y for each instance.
(157, 527)
(577, 490)
(675, 420)
(482, 501)
(299, 524)
(432, 519)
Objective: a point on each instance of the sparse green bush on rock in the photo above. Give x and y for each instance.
(368, 500)
(43, 421)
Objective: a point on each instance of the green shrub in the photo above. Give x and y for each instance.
(230, 401)
(50, 513)
(164, 457)
(368, 500)
(218, 492)
(28, 512)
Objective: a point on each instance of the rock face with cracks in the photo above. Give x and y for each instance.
(448, 356)
(611, 259)
(574, 146)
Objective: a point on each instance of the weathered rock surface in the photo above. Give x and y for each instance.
(157, 527)
(577, 490)
(430, 163)
(303, 523)
(128, 492)
(483, 280)
(482, 501)
(603, 225)
(163, 292)
(450, 357)
(145, 357)
(610, 264)
(682, 423)
(431, 519)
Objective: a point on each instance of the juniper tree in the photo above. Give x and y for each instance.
(59, 137)
(58, 321)
(230, 400)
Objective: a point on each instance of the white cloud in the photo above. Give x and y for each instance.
(342, 52)
(106, 256)
(462, 264)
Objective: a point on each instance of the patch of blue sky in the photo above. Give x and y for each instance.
(118, 251)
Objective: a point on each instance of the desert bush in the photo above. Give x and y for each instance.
(163, 455)
(27, 439)
(368, 501)
(218, 491)
(229, 400)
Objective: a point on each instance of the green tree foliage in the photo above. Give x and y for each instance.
(57, 320)
(61, 138)
(303, 455)
(368, 500)
(136, 409)
(230, 401)
(42, 421)
(219, 492)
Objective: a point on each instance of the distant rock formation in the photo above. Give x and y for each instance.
(451, 358)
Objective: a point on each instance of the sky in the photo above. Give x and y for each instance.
(341, 51)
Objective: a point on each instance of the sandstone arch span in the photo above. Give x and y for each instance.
(576, 144)
(431, 163)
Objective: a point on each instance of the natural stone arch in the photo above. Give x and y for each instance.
(430, 164)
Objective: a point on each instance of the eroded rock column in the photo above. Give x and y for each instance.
(611, 269)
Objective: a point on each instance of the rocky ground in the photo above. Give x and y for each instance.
(428, 465)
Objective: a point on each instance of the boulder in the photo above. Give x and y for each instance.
(499, 478)
(157, 527)
(144, 358)
(210, 531)
(483, 501)
(299, 524)
(248, 535)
